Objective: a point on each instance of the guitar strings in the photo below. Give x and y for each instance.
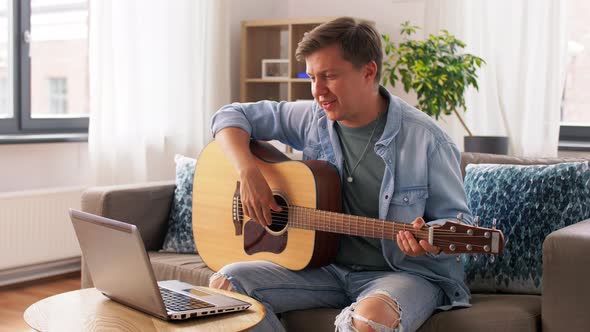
(438, 241)
(282, 219)
(365, 223)
(375, 229)
(283, 216)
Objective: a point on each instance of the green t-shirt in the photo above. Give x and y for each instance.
(361, 196)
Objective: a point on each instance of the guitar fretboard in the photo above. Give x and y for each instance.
(333, 222)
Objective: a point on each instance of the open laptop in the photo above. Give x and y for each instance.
(121, 270)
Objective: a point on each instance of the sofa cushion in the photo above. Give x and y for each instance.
(488, 158)
(179, 237)
(184, 267)
(146, 205)
(529, 203)
(491, 313)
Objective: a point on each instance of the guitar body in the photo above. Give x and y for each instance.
(224, 235)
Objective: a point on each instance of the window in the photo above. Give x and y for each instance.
(4, 98)
(43, 66)
(58, 96)
(575, 109)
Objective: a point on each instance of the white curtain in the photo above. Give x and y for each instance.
(524, 45)
(158, 70)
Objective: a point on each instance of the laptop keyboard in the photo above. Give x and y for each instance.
(180, 302)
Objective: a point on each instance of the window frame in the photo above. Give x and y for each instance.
(22, 123)
(569, 132)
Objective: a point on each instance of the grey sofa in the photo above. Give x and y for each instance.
(564, 305)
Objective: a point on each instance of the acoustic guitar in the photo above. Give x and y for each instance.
(305, 233)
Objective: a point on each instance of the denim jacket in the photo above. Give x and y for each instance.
(422, 175)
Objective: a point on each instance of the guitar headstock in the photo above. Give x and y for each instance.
(457, 238)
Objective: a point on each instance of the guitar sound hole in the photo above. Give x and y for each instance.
(280, 219)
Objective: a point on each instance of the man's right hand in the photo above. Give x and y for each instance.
(257, 197)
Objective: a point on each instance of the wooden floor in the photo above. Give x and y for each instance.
(14, 300)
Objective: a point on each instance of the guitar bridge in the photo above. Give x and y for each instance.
(236, 210)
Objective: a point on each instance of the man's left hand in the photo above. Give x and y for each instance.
(408, 244)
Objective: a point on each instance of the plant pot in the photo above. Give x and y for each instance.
(486, 144)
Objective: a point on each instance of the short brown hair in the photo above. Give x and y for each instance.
(359, 42)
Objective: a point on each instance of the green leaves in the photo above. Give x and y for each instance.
(434, 68)
(408, 29)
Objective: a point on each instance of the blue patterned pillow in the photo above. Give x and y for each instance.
(529, 202)
(180, 223)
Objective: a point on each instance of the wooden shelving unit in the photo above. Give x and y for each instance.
(274, 39)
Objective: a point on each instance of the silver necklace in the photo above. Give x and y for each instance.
(350, 179)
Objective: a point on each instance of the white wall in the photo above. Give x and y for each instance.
(387, 14)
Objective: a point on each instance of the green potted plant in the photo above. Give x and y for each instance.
(439, 74)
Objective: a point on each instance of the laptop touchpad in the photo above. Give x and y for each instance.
(197, 292)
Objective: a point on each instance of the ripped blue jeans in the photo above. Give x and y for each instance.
(332, 286)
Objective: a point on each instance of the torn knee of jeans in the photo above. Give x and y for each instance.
(344, 321)
(225, 283)
(386, 299)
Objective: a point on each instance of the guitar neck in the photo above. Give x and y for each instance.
(333, 222)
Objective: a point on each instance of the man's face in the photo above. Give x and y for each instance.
(338, 86)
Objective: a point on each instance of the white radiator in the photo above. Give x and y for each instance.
(35, 227)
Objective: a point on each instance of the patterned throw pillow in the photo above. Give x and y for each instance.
(180, 224)
(529, 202)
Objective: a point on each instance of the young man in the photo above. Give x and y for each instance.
(395, 164)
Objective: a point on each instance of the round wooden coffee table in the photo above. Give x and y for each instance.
(89, 310)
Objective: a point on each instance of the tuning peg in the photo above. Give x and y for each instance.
(460, 218)
(474, 257)
(458, 258)
(494, 222)
(476, 221)
(492, 258)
